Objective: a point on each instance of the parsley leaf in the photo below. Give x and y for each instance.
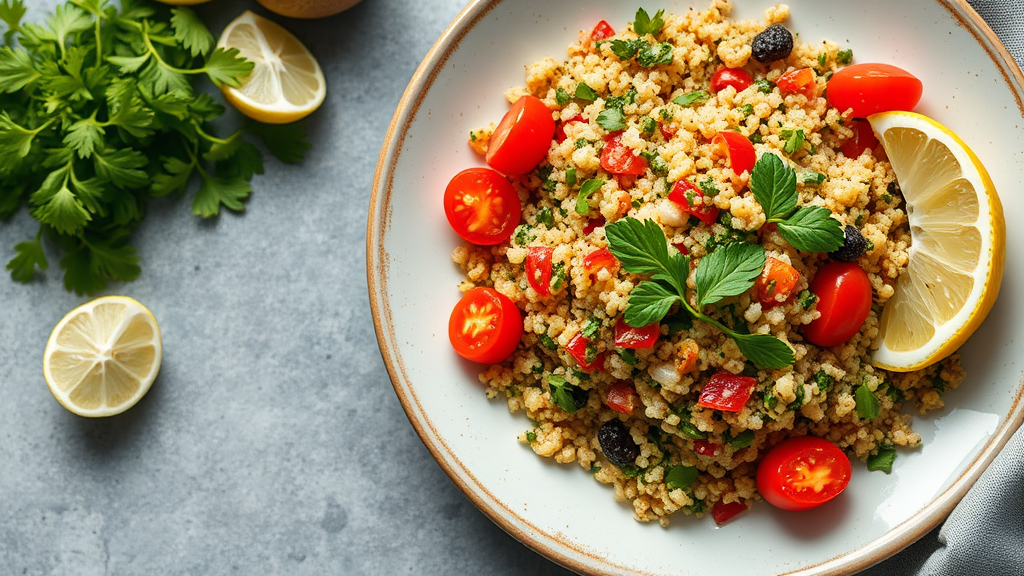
(642, 248)
(16, 69)
(867, 403)
(190, 31)
(653, 55)
(812, 229)
(644, 24)
(611, 119)
(844, 57)
(11, 12)
(626, 49)
(765, 350)
(29, 255)
(794, 140)
(774, 187)
(649, 303)
(588, 188)
(728, 271)
(585, 93)
(883, 459)
(568, 397)
(285, 141)
(562, 97)
(691, 98)
(218, 191)
(227, 67)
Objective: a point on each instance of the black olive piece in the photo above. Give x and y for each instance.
(617, 444)
(854, 246)
(773, 43)
(579, 396)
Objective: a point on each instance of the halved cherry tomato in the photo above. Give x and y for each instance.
(705, 448)
(844, 300)
(691, 200)
(801, 473)
(776, 282)
(485, 326)
(593, 223)
(602, 258)
(738, 78)
(869, 88)
(622, 397)
(727, 391)
(798, 82)
(578, 349)
(863, 139)
(538, 268)
(601, 31)
(722, 512)
(627, 336)
(482, 206)
(617, 158)
(560, 131)
(738, 149)
(522, 138)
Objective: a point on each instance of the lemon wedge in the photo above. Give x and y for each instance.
(103, 356)
(286, 83)
(958, 243)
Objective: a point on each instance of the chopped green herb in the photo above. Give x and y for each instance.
(794, 140)
(659, 166)
(666, 114)
(626, 49)
(844, 57)
(650, 56)
(631, 471)
(531, 437)
(698, 507)
(590, 353)
(586, 93)
(886, 197)
(807, 228)
(570, 176)
(648, 125)
(537, 369)
(628, 356)
(867, 403)
(644, 24)
(822, 59)
(472, 136)
(588, 188)
(882, 460)
(823, 381)
(523, 235)
(681, 477)
(557, 276)
(590, 328)
(687, 427)
(595, 468)
(938, 384)
(619, 101)
(756, 138)
(764, 86)
(691, 98)
(746, 109)
(742, 440)
(562, 97)
(770, 401)
(637, 203)
(612, 119)
(708, 187)
(894, 394)
(545, 217)
(800, 393)
(581, 143)
(815, 178)
(568, 397)
(547, 342)
(544, 173)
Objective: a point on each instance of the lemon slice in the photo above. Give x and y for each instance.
(103, 356)
(958, 243)
(286, 83)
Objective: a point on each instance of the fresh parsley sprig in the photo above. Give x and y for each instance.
(807, 228)
(642, 248)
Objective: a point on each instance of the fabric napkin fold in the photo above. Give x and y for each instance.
(984, 536)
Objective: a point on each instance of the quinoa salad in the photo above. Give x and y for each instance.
(669, 386)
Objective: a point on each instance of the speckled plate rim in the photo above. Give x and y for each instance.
(553, 546)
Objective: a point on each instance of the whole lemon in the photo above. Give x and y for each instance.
(308, 8)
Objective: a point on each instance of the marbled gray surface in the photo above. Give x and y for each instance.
(272, 442)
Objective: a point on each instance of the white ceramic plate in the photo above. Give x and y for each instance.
(971, 85)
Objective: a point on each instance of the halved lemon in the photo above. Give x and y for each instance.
(286, 83)
(103, 356)
(958, 243)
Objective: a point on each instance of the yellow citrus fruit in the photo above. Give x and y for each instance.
(958, 243)
(183, 2)
(286, 83)
(308, 8)
(103, 356)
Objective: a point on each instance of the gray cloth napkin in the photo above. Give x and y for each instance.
(984, 536)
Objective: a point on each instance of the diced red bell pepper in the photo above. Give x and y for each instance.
(727, 392)
(863, 139)
(666, 130)
(705, 448)
(722, 512)
(598, 259)
(538, 268)
(776, 283)
(627, 336)
(797, 82)
(691, 199)
(593, 224)
(578, 349)
(601, 31)
(738, 149)
(622, 397)
(560, 130)
(682, 248)
(617, 158)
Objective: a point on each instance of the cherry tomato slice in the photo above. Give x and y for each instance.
(617, 158)
(522, 138)
(622, 397)
(863, 139)
(485, 326)
(738, 149)
(705, 448)
(482, 206)
(578, 349)
(538, 268)
(560, 131)
(738, 78)
(870, 88)
(601, 31)
(599, 259)
(593, 224)
(801, 473)
(776, 283)
(844, 300)
(691, 200)
(797, 82)
(627, 336)
(722, 512)
(727, 392)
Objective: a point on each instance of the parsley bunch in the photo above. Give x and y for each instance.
(807, 228)
(98, 112)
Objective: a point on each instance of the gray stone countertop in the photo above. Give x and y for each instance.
(272, 442)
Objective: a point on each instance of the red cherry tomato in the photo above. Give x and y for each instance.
(797, 82)
(485, 326)
(722, 512)
(560, 131)
(863, 139)
(870, 88)
(738, 149)
(627, 336)
(705, 448)
(801, 473)
(522, 138)
(593, 224)
(738, 78)
(622, 397)
(578, 349)
(727, 392)
(538, 268)
(482, 206)
(691, 200)
(844, 300)
(776, 282)
(601, 31)
(617, 158)
(599, 259)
